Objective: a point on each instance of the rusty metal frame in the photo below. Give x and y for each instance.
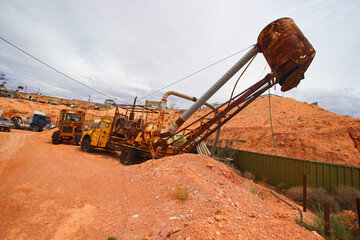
(208, 125)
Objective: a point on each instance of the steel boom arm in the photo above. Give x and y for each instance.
(208, 126)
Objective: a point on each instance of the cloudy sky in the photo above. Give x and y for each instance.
(134, 48)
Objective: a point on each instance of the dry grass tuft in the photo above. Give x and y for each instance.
(180, 193)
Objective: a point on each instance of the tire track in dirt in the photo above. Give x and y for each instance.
(11, 143)
(79, 218)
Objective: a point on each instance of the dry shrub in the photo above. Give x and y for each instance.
(315, 198)
(295, 193)
(346, 195)
(348, 218)
(232, 165)
(249, 175)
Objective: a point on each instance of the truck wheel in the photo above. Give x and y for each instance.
(85, 145)
(78, 138)
(129, 156)
(56, 137)
(36, 128)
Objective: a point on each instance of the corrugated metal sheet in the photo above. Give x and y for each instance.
(277, 170)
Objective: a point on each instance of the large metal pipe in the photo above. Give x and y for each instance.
(184, 96)
(211, 91)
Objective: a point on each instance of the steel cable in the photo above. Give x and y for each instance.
(58, 71)
(192, 74)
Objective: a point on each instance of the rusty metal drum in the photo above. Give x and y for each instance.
(287, 51)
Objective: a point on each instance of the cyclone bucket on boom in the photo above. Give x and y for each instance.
(287, 52)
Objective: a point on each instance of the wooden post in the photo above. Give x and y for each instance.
(304, 192)
(327, 219)
(213, 149)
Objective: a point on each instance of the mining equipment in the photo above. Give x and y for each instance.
(71, 125)
(138, 136)
(6, 124)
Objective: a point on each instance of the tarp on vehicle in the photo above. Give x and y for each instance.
(40, 113)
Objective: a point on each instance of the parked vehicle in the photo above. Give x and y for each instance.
(71, 124)
(94, 107)
(37, 123)
(6, 124)
(53, 102)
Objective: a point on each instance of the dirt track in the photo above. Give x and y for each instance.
(59, 192)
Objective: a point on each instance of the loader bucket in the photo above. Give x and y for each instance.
(287, 52)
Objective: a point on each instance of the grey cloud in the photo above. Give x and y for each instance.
(133, 48)
(343, 101)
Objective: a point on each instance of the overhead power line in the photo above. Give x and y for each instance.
(192, 74)
(58, 71)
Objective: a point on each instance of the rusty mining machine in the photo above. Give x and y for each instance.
(71, 125)
(286, 50)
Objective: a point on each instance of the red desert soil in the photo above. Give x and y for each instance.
(59, 192)
(301, 130)
(25, 108)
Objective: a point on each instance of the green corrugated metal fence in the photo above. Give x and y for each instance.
(277, 170)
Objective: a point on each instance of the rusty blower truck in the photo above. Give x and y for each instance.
(71, 124)
(286, 50)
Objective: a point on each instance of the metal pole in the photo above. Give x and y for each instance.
(211, 91)
(358, 210)
(304, 192)
(226, 77)
(327, 219)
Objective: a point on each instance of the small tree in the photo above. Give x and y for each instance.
(20, 88)
(110, 102)
(2, 77)
(2, 85)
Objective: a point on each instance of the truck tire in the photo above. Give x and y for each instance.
(129, 156)
(85, 145)
(56, 137)
(78, 138)
(35, 128)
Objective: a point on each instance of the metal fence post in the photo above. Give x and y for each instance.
(358, 210)
(304, 192)
(327, 219)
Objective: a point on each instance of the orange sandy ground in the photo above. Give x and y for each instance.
(59, 192)
(301, 130)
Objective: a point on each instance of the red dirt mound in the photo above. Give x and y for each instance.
(59, 192)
